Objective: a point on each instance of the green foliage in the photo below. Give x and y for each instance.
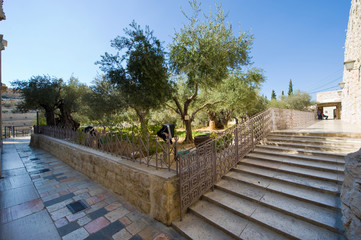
(40, 92)
(290, 88)
(103, 102)
(206, 49)
(238, 95)
(298, 100)
(273, 96)
(53, 96)
(142, 81)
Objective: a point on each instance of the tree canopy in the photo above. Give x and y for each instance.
(205, 51)
(51, 95)
(40, 92)
(140, 74)
(290, 88)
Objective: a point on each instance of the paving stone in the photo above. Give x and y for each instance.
(122, 235)
(59, 199)
(60, 205)
(125, 221)
(134, 216)
(149, 233)
(78, 234)
(96, 236)
(12, 197)
(162, 236)
(116, 214)
(98, 213)
(84, 220)
(81, 196)
(112, 229)
(21, 210)
(66, 229)
(96, 191)
(92, 200)
(60, 213)
(96, 225)
(136, 237)
(34, 226)
(61, 222)
(137, 226)
(113, 206)
(76, 216)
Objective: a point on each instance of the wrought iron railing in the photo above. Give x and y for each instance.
(201, 167)
(143, 149)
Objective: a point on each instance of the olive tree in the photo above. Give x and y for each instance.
(138, 70)
(204, 51)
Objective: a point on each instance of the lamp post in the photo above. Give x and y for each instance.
(349, 64)
(3, 44)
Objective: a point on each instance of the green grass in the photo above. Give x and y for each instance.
(182, 133)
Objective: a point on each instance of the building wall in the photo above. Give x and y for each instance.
(351, 103)
(332, 96)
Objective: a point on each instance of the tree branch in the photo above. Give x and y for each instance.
(169, 106)
(204, 106)
(175, 99)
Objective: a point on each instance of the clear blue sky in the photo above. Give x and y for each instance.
(301, 40)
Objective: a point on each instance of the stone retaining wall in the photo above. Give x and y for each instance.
(154, 192)
(351, 196)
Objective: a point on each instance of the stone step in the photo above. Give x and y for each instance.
(323, 142)
(331, 159)
(287, 225)
(333, 149)
(192, 227)
(356, 136)
(316, 184)
(318, 137)
(294, 170)
(300, 151)
(323, 217)
(322, 166)
(234, 225)
(309, 195)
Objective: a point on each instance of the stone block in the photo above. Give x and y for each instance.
(351, 196)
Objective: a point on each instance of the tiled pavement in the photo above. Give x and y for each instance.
(35, 191)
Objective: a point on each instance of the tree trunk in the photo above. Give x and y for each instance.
(189, 137)
(66, 120)
(49, 116)
(143, 121)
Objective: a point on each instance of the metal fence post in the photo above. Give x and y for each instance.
(252, 134)
(236, 143)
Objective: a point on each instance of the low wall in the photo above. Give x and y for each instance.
(154, 192)
(351, 196)
(288, 118)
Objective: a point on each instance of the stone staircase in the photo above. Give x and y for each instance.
(287, 188)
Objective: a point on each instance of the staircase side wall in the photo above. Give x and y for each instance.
(351, 196)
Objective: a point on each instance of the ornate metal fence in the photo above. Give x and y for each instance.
(143, 149)
(200, 168)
